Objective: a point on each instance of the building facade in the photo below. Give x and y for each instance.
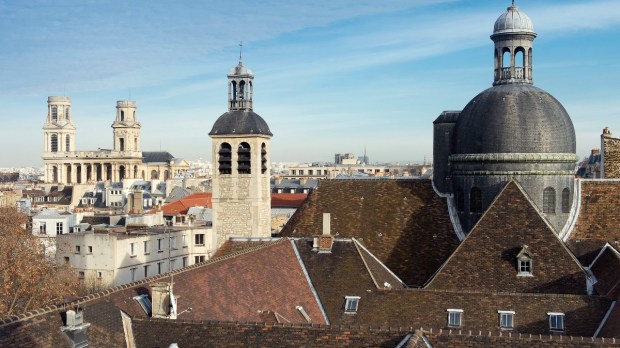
(64, 164)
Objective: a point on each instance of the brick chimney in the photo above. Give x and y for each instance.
(325, 241)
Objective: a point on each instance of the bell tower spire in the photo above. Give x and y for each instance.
(240, 86)
(513, 35)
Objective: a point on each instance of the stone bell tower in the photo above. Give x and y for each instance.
(58, 130)
(126, 127)
(240, 151)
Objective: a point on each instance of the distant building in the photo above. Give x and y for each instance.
(63, 164)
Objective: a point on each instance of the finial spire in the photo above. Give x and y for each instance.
(240, 48)
(513, 2)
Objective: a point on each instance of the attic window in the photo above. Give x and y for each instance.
(351, 304)
(506, 319)
(145, 303)
(556, 321)
(524, 262)
(454, 317)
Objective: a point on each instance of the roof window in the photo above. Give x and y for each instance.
(556, 321)
(455, 317)
(524, 262)
(351, 303)
(145, 303)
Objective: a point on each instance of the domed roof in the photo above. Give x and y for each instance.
(514, 118)
(240, 69)
(513, 21)
(240, 122)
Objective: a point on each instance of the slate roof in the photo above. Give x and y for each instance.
(402, 222)
(598, 219)
(240, 122)
(612, 325)
(606, 269)
(343, 273)
(487, 259)
(156, 156)
(181, 206)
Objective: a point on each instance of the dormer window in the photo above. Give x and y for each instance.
(556, 321)
(351, 304)
(506, 319)
(455, 317)
(524, 262)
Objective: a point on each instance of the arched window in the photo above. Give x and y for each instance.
(225, 159)
(54, 114)
(565, 201)
(122, 115)
(475, 200)
(506, 58)
(519, 57)
(55, 174)
(234, 90)
(242, 90)
(166, 174)
(67, 112)
(263, 159)
(460, 200)
(244, 164)
(154, 174)
(54, 143)
(549, 200)
(67, 143)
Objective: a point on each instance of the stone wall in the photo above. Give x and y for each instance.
(611, 156)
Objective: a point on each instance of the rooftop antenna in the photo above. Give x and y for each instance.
(240, 48)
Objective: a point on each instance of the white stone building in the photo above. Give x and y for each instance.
(48, 224)
(116, 256)
(63, 164)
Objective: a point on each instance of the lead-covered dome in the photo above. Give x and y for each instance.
(240, 70)
(240, 122)
(514, 118)
(513, 21)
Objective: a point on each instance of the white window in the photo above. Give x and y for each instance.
(160, 244)
(185, 261)
(556, 321)
(184, 240)
(524, 262)
(172, 262)
(199, 258)
(42, 228)
(90, 249)
(351, 303)
(132, 249)
(146, 271)
(59, 227)
(455, 317)
(146, 246)
(173, 242)
(132, 271)
(77, 249)
(506, 319)
(160, 267)
(99, 275)
(199, 239)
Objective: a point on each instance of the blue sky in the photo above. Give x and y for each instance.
(330, 76)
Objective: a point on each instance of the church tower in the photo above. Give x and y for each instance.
(511, 131)
(126, 127)
(240, 151)
(58, 130)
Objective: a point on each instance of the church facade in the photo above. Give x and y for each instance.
(63, 164)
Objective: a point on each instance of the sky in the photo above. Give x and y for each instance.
(331, 76)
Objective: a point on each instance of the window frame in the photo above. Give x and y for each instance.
(351, 304)
(506, 314)
(199, 239)
(455, 317)
(553, 321)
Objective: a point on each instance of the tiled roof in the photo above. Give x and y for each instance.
(598, 219)
(606, 269)
(612, 325)
(402, 222)
(343, 273)
(293, 200)
(181, 206)
(487, 259)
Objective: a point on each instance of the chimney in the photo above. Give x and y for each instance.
(302, 181)
(278, 180)
(325, 241)
(75, 328)
(164, 304)
(136, 204)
